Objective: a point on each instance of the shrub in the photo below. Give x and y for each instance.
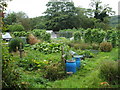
(61, 40)
(46, 37)
(94, 35)
(11, 75)
(76, 45)
(66, 34)
(54, 71)
(16, 27)
(41, 34)
(112, 37)
(84, 46)
(86, 54)
(81, 46)
(95, 46)
(14, 44)
(77, 36)
(19, 34)
(105, 46)
(109, 70)
(32, 39)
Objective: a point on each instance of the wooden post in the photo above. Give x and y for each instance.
(63, 59)
(20, 50)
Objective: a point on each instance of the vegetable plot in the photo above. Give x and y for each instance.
(48, 48)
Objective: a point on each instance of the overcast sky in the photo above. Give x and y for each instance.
(35, 8)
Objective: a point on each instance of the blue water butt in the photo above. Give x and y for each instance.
(78, 61)
(71, 66)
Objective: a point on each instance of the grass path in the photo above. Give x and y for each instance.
(88, 76)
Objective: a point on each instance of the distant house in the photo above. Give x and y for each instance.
(53, 35)
(6, 36)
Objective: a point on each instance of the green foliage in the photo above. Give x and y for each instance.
(95, 46)
(77, 36)
(66, 34)
(10, 19)
(46, 37)
(86, 53)
(23, 19)
(41, 34)
(38, 22)
(61, 40)
(14, 44)
(112, 36)
(61, 15)
(11, 74)
(114, 20)
(102, 25)
(94, 35)
(48, 48)
(15, 27)
(32, 64)
(101, 12)
(109, 71)
(20, 34)
(105, 46)
(81, 46)
(54, 71)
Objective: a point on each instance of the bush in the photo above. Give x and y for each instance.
(11, 75)
(14, 44)
(32, 39)
(95, 46)
(41, 34)
(46, 37)
(54, 71)
(16, 27)
(66, 34)
(20, 34)
(61, 40)
(77, 36)
(112, 37)
(105, 46)
(94, 35)
(86, 54)
(81, 46)
(109, 70)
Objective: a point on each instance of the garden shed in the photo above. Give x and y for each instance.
(6, 36)
(53, 35)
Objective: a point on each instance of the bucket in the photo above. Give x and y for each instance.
(78, 60)
(71, 66)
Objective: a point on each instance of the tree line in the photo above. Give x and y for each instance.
(64, 15)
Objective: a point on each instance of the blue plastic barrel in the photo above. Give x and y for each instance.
(71, 66)
(78, 60)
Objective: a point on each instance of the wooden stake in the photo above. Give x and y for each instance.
(20, 50)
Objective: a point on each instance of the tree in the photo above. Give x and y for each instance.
(83, 21)
(38, 22)
(3, 5)
(23, 19)
(61, 15)
(9, 19)
(101, 12)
